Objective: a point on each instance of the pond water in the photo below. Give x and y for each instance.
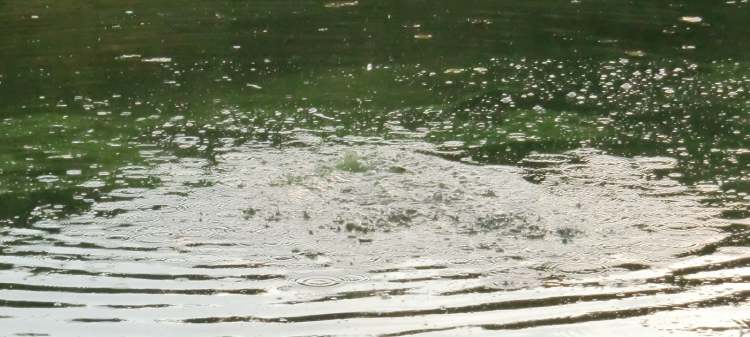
(374, 168)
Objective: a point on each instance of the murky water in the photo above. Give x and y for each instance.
(377, 168)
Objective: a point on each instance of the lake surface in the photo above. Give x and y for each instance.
(374, 168)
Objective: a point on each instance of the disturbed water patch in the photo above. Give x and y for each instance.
(285, 240)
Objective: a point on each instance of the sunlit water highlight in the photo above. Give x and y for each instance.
(377, 168)
(282, 242)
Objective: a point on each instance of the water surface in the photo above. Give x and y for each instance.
(380, 168)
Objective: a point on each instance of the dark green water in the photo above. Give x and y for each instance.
(102, 97)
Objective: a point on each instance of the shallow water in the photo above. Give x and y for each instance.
(377, 168)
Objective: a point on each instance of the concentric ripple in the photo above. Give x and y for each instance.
(319, 281)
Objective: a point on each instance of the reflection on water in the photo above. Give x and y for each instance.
(511, 110)
(379, 168)
(281, 241)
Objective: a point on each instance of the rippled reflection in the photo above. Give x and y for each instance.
(383, 168)
(436, 244)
